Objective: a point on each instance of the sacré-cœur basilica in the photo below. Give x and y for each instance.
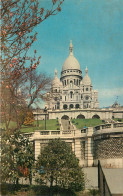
(72, 96)
(72, 91)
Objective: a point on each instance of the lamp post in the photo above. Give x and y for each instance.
(37, 118)
(45, 113)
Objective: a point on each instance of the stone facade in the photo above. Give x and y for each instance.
(104, 143)
(72, 90)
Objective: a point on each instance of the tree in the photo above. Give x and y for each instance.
(29, 118)
(17, 157)
(19, 19)
(60, 166)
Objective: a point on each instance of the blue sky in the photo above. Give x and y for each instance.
(96, 30)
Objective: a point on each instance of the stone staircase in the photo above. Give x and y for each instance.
(66, 124)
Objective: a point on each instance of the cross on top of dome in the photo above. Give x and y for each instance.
(86, 70)
(55, 72)
(71, 48)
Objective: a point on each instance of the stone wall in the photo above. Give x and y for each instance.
(108, 148)
(87, 113)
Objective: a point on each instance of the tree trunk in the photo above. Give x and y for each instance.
(17, 181)
(51, 181)
(30, 179)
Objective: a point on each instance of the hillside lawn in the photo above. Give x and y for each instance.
(50, 125)
(54, 125)
(81, 123)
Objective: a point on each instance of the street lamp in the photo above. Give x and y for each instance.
(37, 118)
(45, 113)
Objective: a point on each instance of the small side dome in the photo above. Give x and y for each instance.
(86, 80)
(56, 82)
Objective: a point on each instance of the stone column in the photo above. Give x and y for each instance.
(78, 149)
(90, 147)
(37, 149)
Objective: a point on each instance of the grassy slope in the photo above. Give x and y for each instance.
(50, 125)
(80, 123)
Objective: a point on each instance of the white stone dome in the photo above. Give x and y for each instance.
(56, 82)
(86, 80)
(71, 63)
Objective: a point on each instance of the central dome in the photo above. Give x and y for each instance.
(71, 62)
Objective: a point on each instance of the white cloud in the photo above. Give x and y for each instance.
(108, 93)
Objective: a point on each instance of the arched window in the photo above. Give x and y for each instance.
(58, 105)
(87, 97)
(71, 83)
(96, 116)
(71, 94)
(77, 106)
(86, 89)
(77, 81)
(65, 106)
(65, 98)
(65, 117)
(80, 116)
(71, 106)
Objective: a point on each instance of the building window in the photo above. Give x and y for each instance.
(81, 97)
(64, 106)
(71, 94)
(65, 98)
(86, 89)
(87, 97)
(58, 105)
(71, 106)
(55, 98)
(71, 83)
(77, 106)
(77, 81)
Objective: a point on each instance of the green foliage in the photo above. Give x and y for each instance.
(34, 190)
(117, 119)
(80, 123)
(61, 166)
(93, 192)
(17, 157)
